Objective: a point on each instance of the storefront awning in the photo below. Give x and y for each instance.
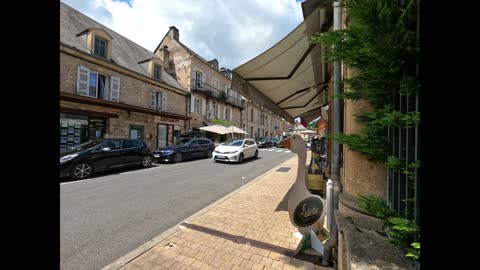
(290, 73)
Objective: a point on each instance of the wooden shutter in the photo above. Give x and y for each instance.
(154, 100)
(83, 75)
(204, 107)
(164, 102)
(224, 112)
(192, 103)
(115, 89)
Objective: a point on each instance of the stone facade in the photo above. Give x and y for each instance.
(183, 64)
(133, 91)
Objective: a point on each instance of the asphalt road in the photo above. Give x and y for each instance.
(111, 214)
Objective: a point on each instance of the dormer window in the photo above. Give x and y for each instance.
(99, 42)
(100, 48)
(157, 71)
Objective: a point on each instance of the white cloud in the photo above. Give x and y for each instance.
(232, 31)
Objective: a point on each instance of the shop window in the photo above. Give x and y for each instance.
(136, 132)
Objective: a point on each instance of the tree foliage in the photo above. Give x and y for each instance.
(381, 44)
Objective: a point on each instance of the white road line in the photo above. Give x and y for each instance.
(288, 151)
(270, 150)
(262, 150)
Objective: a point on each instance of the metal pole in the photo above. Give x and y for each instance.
(337, 117)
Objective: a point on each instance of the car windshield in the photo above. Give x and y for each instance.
(232, 142)
(182, 142)
(87, 145)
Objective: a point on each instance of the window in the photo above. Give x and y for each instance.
(113, 144)
(227, 114)
(100, 48)
(197, 107)
(251, 115)
(198, 79)
(157, 71)
(130, 143)
(215, 110)
(159, 101)
(215, 88)
(97, 86)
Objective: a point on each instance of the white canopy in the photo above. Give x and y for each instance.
(219, 129)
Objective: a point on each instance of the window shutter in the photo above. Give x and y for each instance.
(164, 102)
(204, 80)
(154, 100)
(204, 106)
(115, 89)
(83, 75)
(192, 103)
(218, 111)
(224, 112)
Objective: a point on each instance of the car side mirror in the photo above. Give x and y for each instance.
(106, 149)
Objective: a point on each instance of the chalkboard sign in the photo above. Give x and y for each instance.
(308, 212)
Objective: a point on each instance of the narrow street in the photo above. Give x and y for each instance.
(111, 214)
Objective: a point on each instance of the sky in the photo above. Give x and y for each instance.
(232, 31)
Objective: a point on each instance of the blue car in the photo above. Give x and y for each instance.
(185, 149)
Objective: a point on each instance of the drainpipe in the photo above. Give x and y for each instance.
(332, 242)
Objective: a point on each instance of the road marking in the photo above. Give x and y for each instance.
(278, 151)
(288, 151)
(270, 150)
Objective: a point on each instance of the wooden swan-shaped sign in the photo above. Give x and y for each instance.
(306, 210)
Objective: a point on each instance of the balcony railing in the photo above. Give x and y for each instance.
(217, 93)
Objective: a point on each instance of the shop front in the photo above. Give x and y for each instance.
(76, 129)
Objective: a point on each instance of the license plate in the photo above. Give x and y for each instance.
(156, 155)
(219, 156)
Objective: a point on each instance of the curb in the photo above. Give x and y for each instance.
(122, 261)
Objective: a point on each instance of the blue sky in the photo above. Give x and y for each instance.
(232, 31)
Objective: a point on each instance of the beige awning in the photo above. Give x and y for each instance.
(291, 73)
(219, 129)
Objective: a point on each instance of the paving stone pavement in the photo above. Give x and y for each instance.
(249, 230)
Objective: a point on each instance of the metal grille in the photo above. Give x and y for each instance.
(403, 190)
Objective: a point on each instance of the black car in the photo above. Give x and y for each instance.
(275, 141)
(185, 149)
(264, 142)
(83, 160)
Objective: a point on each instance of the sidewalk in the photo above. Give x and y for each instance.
(250, 229)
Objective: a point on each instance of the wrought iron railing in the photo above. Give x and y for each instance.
(403, 184)
(209, 90)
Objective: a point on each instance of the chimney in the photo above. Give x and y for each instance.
(166, 57)
(173, 33)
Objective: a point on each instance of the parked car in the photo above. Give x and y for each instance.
(185, 149)
(264, 142)
(275, 141)
(235, 150)
(103, 154)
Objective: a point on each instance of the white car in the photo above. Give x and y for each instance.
(235, 150)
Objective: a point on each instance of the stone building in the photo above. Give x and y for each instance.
(211, 96)
(112, 87)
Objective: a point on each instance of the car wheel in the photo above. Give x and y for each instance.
(81, 170)
(177, 158)
(146, 161)
(256, 154)
(240, 158)
(209, 153)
